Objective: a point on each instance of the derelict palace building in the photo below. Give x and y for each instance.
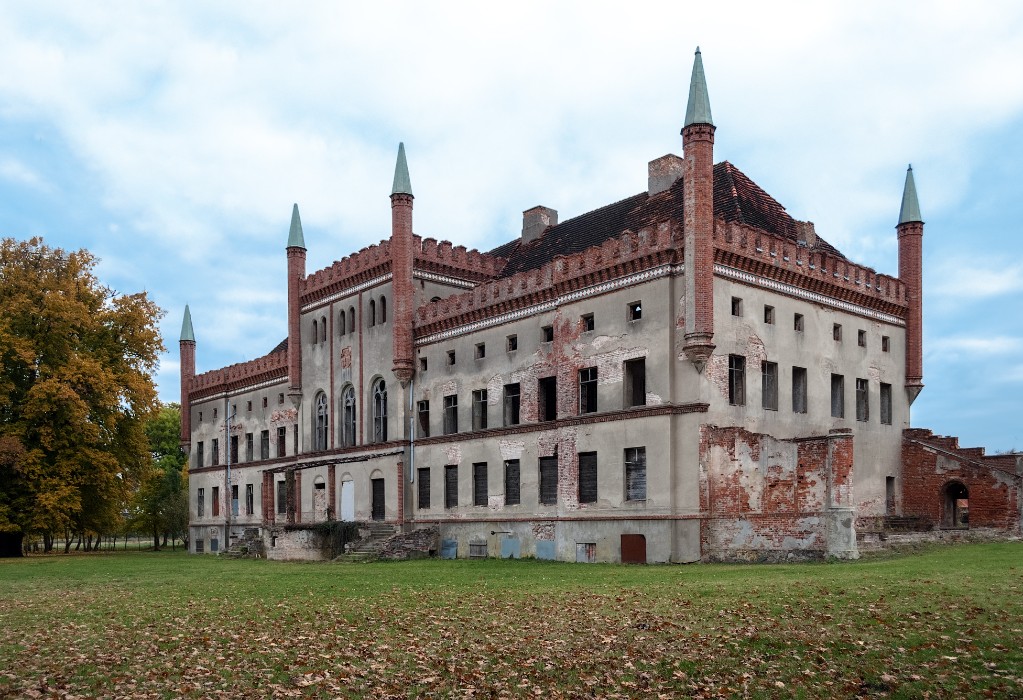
(689, 373)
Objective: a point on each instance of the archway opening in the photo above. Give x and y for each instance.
(957, 505)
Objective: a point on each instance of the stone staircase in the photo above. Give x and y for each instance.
(249, 546)
(368, 548)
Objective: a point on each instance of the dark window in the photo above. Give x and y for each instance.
(451, 357)
(215, 501)
(768, 314)
(548, 333)
(450, 414)
(587, 477)
(234, 449)
(737, 380)
(348, 422)
(214, 414)
(294, 439)
(372, 312)
(635, 473)
(588, 390)
(234, 499)
(280, 398)
(837, 396)
(479, 484)
(862, 400)
(548, 408)
(351, 319)
(200, 416)
(635, 311)
(548, 480)
(200, 503)
(861, 339)
(199, 456)
(513, 343)
(215, 451)
(282, 441)
(736, 306)
(424, 488)
(769, 385)
(587, 320)
(836, 332)
(282, 497)
(422, 364)
(479, 409)
(799, 390)
(451, 486)
(797, 323)
(341, 323)
(481, 350)
(316, 331)
(264, 444)
(323, 329)
(424, 418)
(383, 309)
(885, 343)
(264, 402)
(379, 411)
(248, 406)
(635, 382)
(886, 403)
(320, 433)
(250, 499)
(249, 445)
(511, 404)
(511, 482)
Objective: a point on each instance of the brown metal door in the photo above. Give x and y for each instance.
(378, 499)
(633, 549)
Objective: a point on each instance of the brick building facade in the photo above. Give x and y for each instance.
(686, 374)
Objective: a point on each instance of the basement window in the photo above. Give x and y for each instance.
(635, 310)
(737, 380)
(837, 396)
(635, 382)
(477, 550)
(769, 385)
(797, 323)
(548, 408)
(862, 400)
(769, 315)
(736, 306)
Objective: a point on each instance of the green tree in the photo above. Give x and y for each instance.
(76, 392)
(161, 504)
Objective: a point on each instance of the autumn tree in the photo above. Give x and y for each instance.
(76, 392)
(160, 506)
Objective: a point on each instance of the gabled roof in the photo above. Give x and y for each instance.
(737, 199)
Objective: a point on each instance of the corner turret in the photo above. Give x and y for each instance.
(401, 270)
(296, 273)
(186, 356)
(911, 233)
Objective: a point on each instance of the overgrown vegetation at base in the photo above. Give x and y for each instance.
(944, 623)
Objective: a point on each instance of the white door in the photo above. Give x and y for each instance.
(348, 500)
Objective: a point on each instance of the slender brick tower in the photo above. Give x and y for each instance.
(698, 220)
(296, 273)
(401, 269)
(186, 345)
(911, 237)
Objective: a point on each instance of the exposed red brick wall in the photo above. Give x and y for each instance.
(930, 463)
(911, 273)
(296, 273)
(187, 356)
(698, 225)
(401, 284)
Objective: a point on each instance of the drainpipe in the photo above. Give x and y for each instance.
(227, 448)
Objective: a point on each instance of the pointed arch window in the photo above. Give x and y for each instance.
(321, 425)
(323, 329)
(351, 319)
(379, 411)
(341, 323)
(348, 417)
(383, 309)
(372, 312)
(316, 331)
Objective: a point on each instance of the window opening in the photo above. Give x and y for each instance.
(588, 390)
(383, 309)
(886, 403)
(836, 332)
(424, 487)
(512, 343)
(379, 411)
(451, 486)
(264, 444)
(861, 338)
(479, 484)
(736, 306)
(862, 400)
(737, 380)
(512, 396)
(635, 473)
(587, 477)
(799, 390)
(548, 333)
(548, 480)
(769, 385)
(797, 323)
(587, 322)
(321, 421)
(282, 441)
(372, 312)
(548, 408)
(348, 416)
(451, 414)
(481, 350)
(837, 396)
(424, 418)
(511, 482)
(250, 499)
(479, 409)
(635, 311)
(635, 382)
(768, 314)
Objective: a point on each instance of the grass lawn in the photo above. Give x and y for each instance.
(943, 623)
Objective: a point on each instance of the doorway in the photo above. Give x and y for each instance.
(378, 499)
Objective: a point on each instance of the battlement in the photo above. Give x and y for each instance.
(358, 267)
(766, 254)
(443, 256)
(266, 368)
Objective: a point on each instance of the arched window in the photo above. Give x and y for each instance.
(348, 417)
(320, 427)
(372, 313)
(379, 411)
(351, 319)
(323, 329)
(316, 332)
(341, 323)
(383, 309)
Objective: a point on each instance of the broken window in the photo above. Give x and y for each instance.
(512, 343)
(512, 397)
(588, 390)
(379, 411)
(548, 480)
(886, 403)
(215, 451)
(769, 385)
(249, 444)
(511, 482)
(234, 499)
(885, 343)
(250, 499)
(768, 314)
(862, 400)
(479, 484)
(451, 414)
(548, 408)
(348, 416)
(587, 477)
(282, 497)
(264, 444)
(320, 434)
(836, 332)
(736, 306)
(635, 473)
(481, 350)
(479, 409)
(424, 418)
(451, 357)
(799, 389)
(451, 486)
(797, 323)
(200, 503)
(424, 487)
(737, 380)
(548, 333)
(861, 338)
(282, 441)
(635, 311)
(837, 396)
(199, 456)
(587, 322)
(215, 501)
(635, 382)
(422, 364)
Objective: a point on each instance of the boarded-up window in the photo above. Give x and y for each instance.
(548, 396)
(769, 385)
(635, 382)
(451, 486)
(799, 389)
(635, 473)
(548, 480)
(588, 390)
(737, 380)
(479, 484)
(862, 400)
(424, 419)
(424, 487)
(479, 409)
(886, 403)
(450, 414)
(511, 482)
(587, 477)
(837, 396)
(512, 396)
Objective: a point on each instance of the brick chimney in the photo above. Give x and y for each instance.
(536, 220)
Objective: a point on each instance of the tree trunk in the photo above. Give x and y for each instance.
(47, 542)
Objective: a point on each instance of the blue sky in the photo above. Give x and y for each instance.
(172, 138)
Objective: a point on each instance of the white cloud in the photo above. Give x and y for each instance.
(995, 345)
(17, 172)
(966, 277)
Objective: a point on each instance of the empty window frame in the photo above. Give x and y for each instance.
(348, 416)
(351, 319)
(862, 400)
(837, 396)
(548, 399)
(282, 497)
(836, 332)
(341, 323)
(635, 312)
(547, 334)
(321, 422)
(768, 314)
(250, 499)
(379, 411)
(479, 484)
(588, 390)
(635, 473)
(587, 322)
(587, 477)
(451, 486)
(481, 350)
(248, 406)
(635, 382)
(861, 338)
(451, 414)
(797, 323)
(423, 364)
(512, 398)
(886, 403)
(249, 447)
(372, 312)
(451, 357)
(199, 454)
(737, 306)
(215, 451)
(200, 503)
(234, 499)
(423, 413)
(323, 329)
(479, 409)
(383, 309)
(282, 441)
(799, 389)
(423, 489)
(280, 398)
(769, 385)
(548, 480)
(737, 380)
(512, 488)
(264, 444)
(233, 449)
(316, 331)
(512, 343)
(886, 343)
(265, 400)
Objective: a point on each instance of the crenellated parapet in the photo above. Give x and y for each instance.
(755, 251)
(370, 262)
(447, 259)
(629, 253)
(239, 376)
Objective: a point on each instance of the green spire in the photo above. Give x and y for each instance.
(910, 212)
(295, 237)
(698, 109)
(402, 184)
(186, 326)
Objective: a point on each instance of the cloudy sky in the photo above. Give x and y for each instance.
(171, 139)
